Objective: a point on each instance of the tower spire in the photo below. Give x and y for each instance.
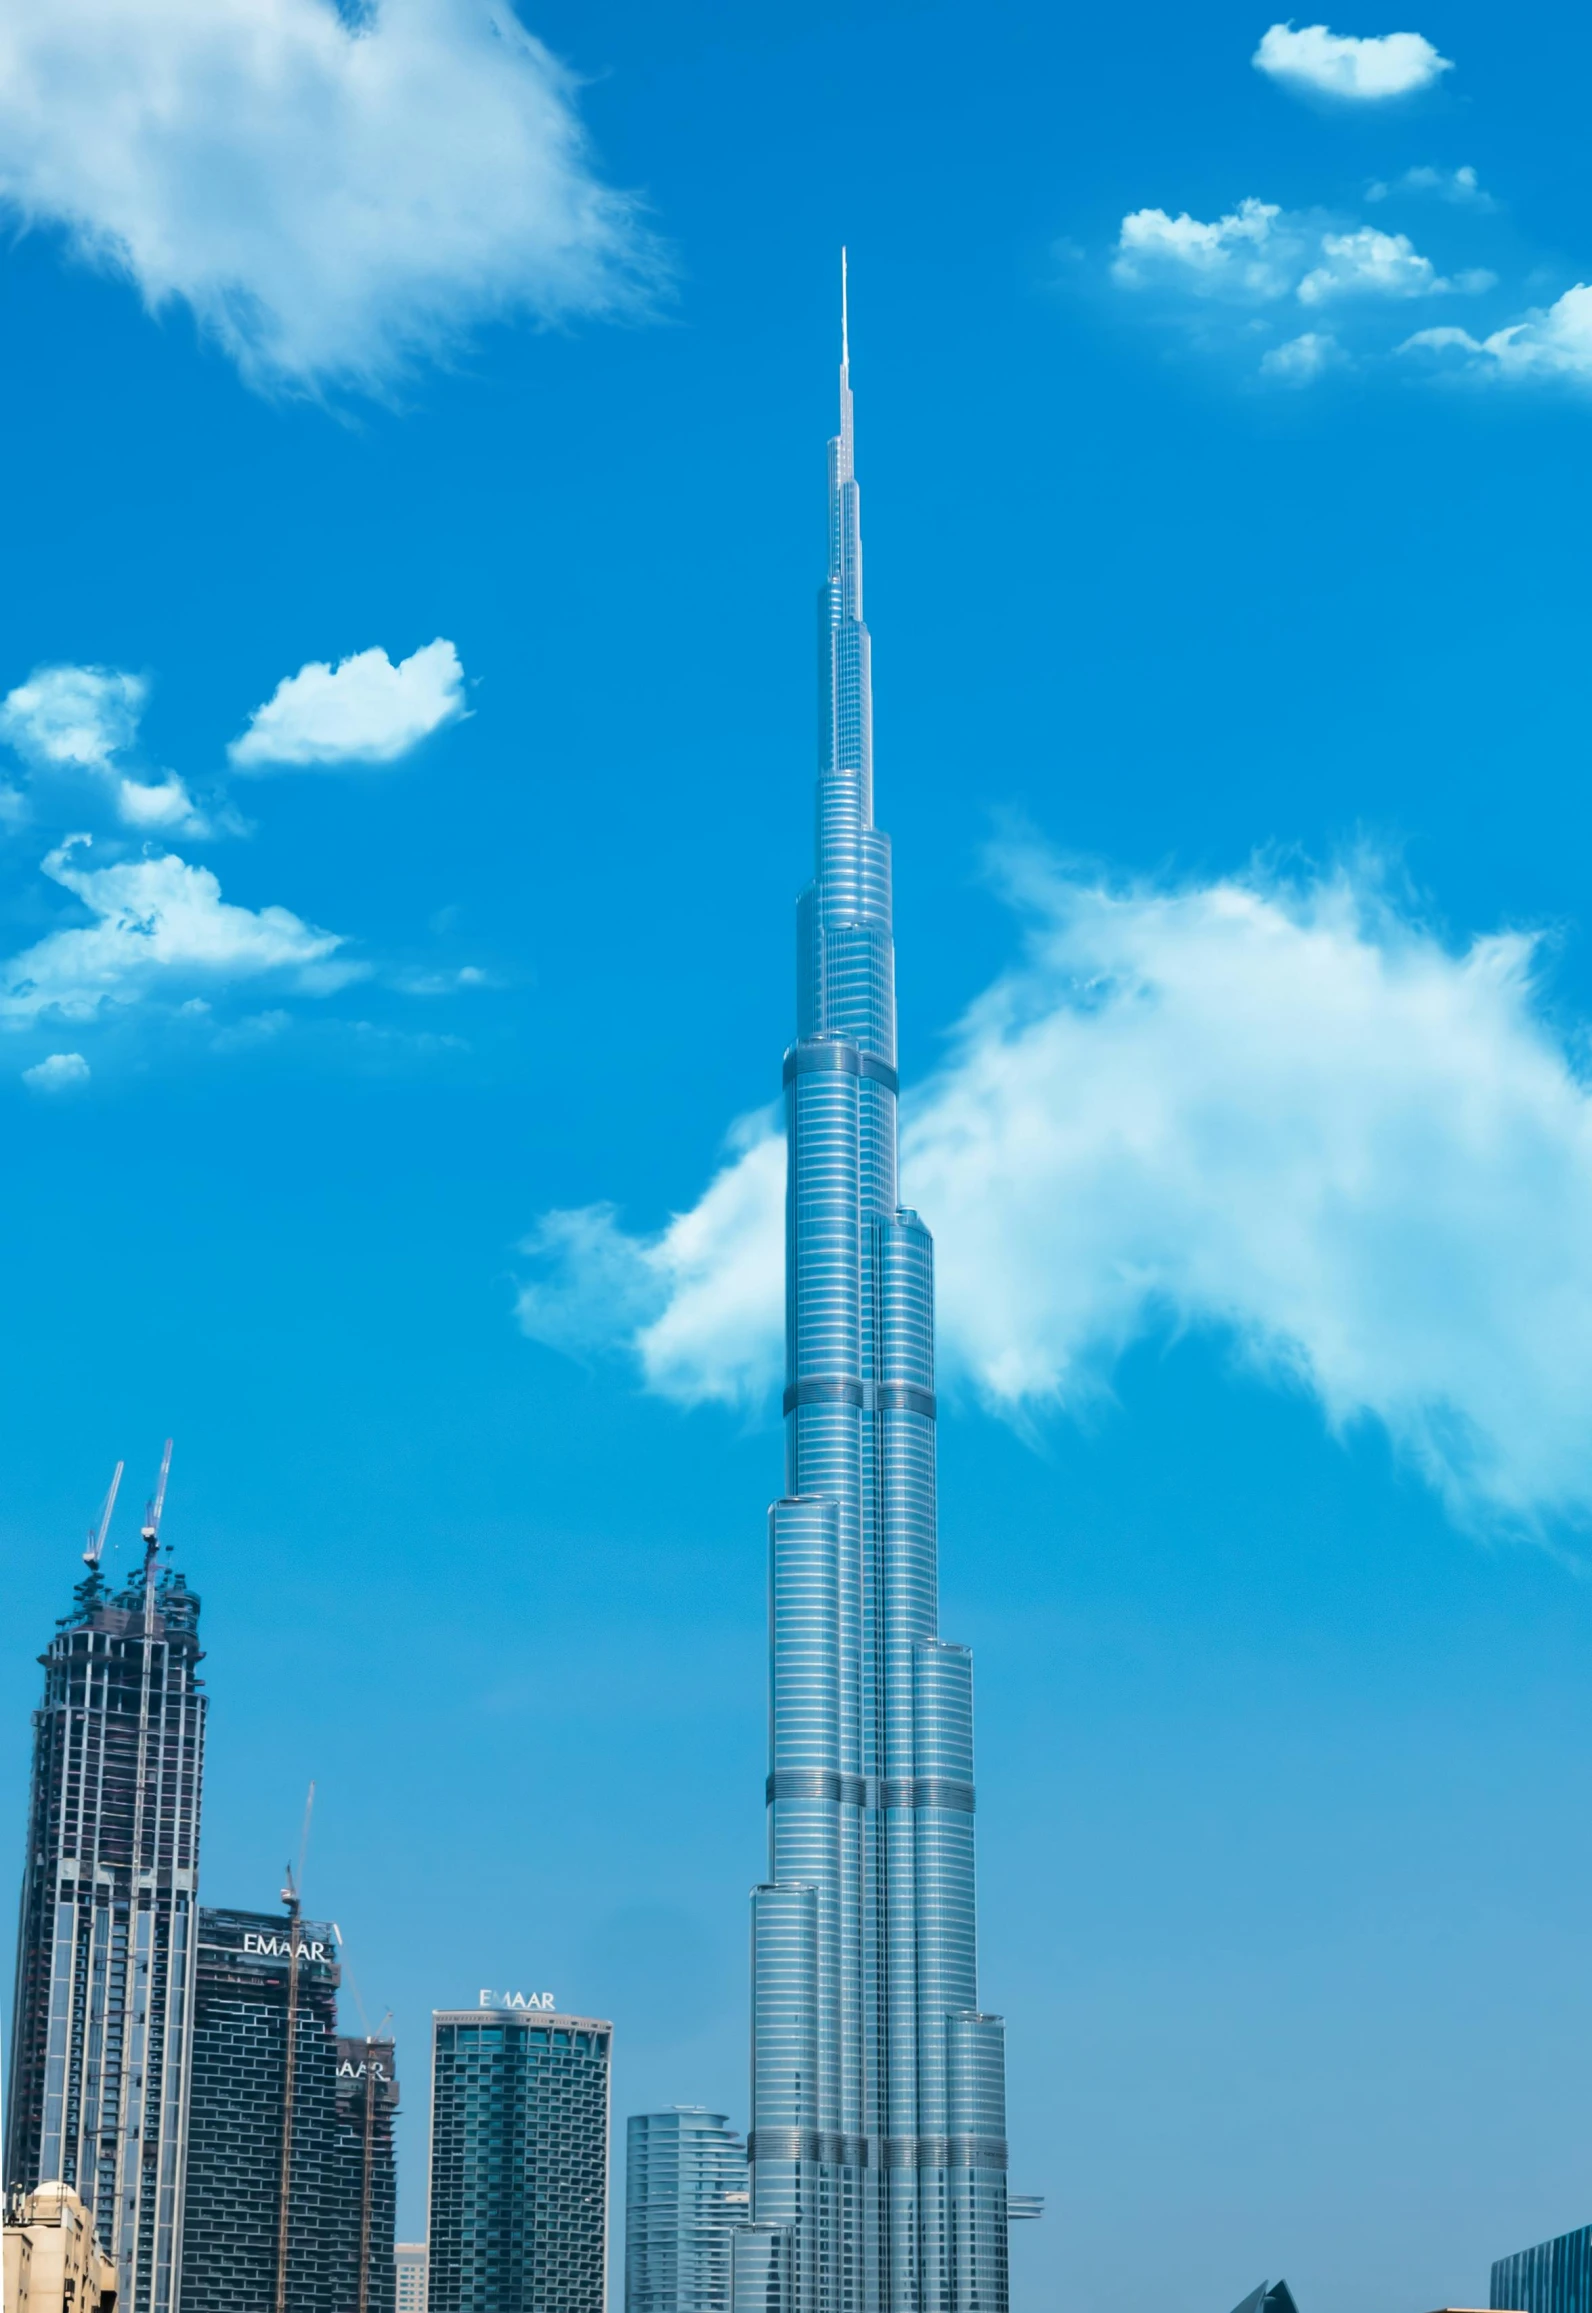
(845, 341)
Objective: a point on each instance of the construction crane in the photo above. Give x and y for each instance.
(290, 1896)
(102, 1525)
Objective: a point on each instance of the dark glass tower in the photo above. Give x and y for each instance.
(340, 2153)
(98, 2084)
(519, 2162)
(878, 2146)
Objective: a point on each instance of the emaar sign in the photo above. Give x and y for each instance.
(516, 1999)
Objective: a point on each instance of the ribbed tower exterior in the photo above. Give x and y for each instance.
(102, 2036)
(878, 2145)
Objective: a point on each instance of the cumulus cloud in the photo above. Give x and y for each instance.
(1545, 345)
(1317, 62)
(71, 718)
(1460, 186)
(1303, 359)
(1255, 253)
(60, 1072)
(363, 710)
(77, 718)
(1260, 254)
(333, 193)
(1288, 1113)
(1368, 263)
(158, 923)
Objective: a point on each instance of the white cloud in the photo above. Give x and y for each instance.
(1369, 263)
(1253, 253)
(1322, 63)
(77, 718)
(1290, 1114)
(159, 923)
(332, 195)
(1460, 186)
(364, 710)
(70, 718)
(1554, 344)
(59, 1073)
(1303, 359)
(699, 1304)
(1261, 254)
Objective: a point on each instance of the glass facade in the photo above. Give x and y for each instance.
(685, 2191)
(1553, 2277)
(519, 2162)
(97, 2096)
(878, 2142)
(341, 2196)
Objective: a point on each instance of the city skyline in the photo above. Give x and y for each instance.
(408, 581)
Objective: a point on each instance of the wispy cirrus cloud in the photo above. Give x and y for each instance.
(1461, 187)
(1289, 1113)
(159, 927)
(364, 710)
(85, 719)
(1312, 61)
(334, 193)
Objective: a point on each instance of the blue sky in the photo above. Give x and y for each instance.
(1231, 734)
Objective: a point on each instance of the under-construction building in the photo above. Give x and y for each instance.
(326, 2130)
(105, 1952)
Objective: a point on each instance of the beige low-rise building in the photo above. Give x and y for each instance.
(53, 2260)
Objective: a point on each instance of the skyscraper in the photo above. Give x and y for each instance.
(235, 2251)
(105, 1952)
(367, 2099)
(519, 2160)
(685, 2192)
(878, 2145)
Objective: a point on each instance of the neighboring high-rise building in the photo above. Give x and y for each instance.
(519, 2162)
(878, 2142)
(53, 2262)
(1553, 2277)
(105, 1953)
(685, 2192)
(367, 2098)
(235, 2249)
(409, 2266)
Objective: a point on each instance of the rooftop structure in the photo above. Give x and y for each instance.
(53, 2261)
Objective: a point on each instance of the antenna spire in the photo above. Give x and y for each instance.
(845, 340)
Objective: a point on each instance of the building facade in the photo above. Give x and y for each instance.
(98, 2086)
(1553, 2277)
(686, 2191)
(519, 2162)
(367, 2102)
(409, 2277)
(236, 2250)
(53, 2261)
(878, 2141)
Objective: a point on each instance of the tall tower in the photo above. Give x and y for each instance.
(103, 2020)
(878, 2146)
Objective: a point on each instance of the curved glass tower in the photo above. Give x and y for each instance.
(878, 2143)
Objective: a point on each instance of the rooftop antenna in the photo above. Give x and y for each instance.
(845, 340)
(101, 1527)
